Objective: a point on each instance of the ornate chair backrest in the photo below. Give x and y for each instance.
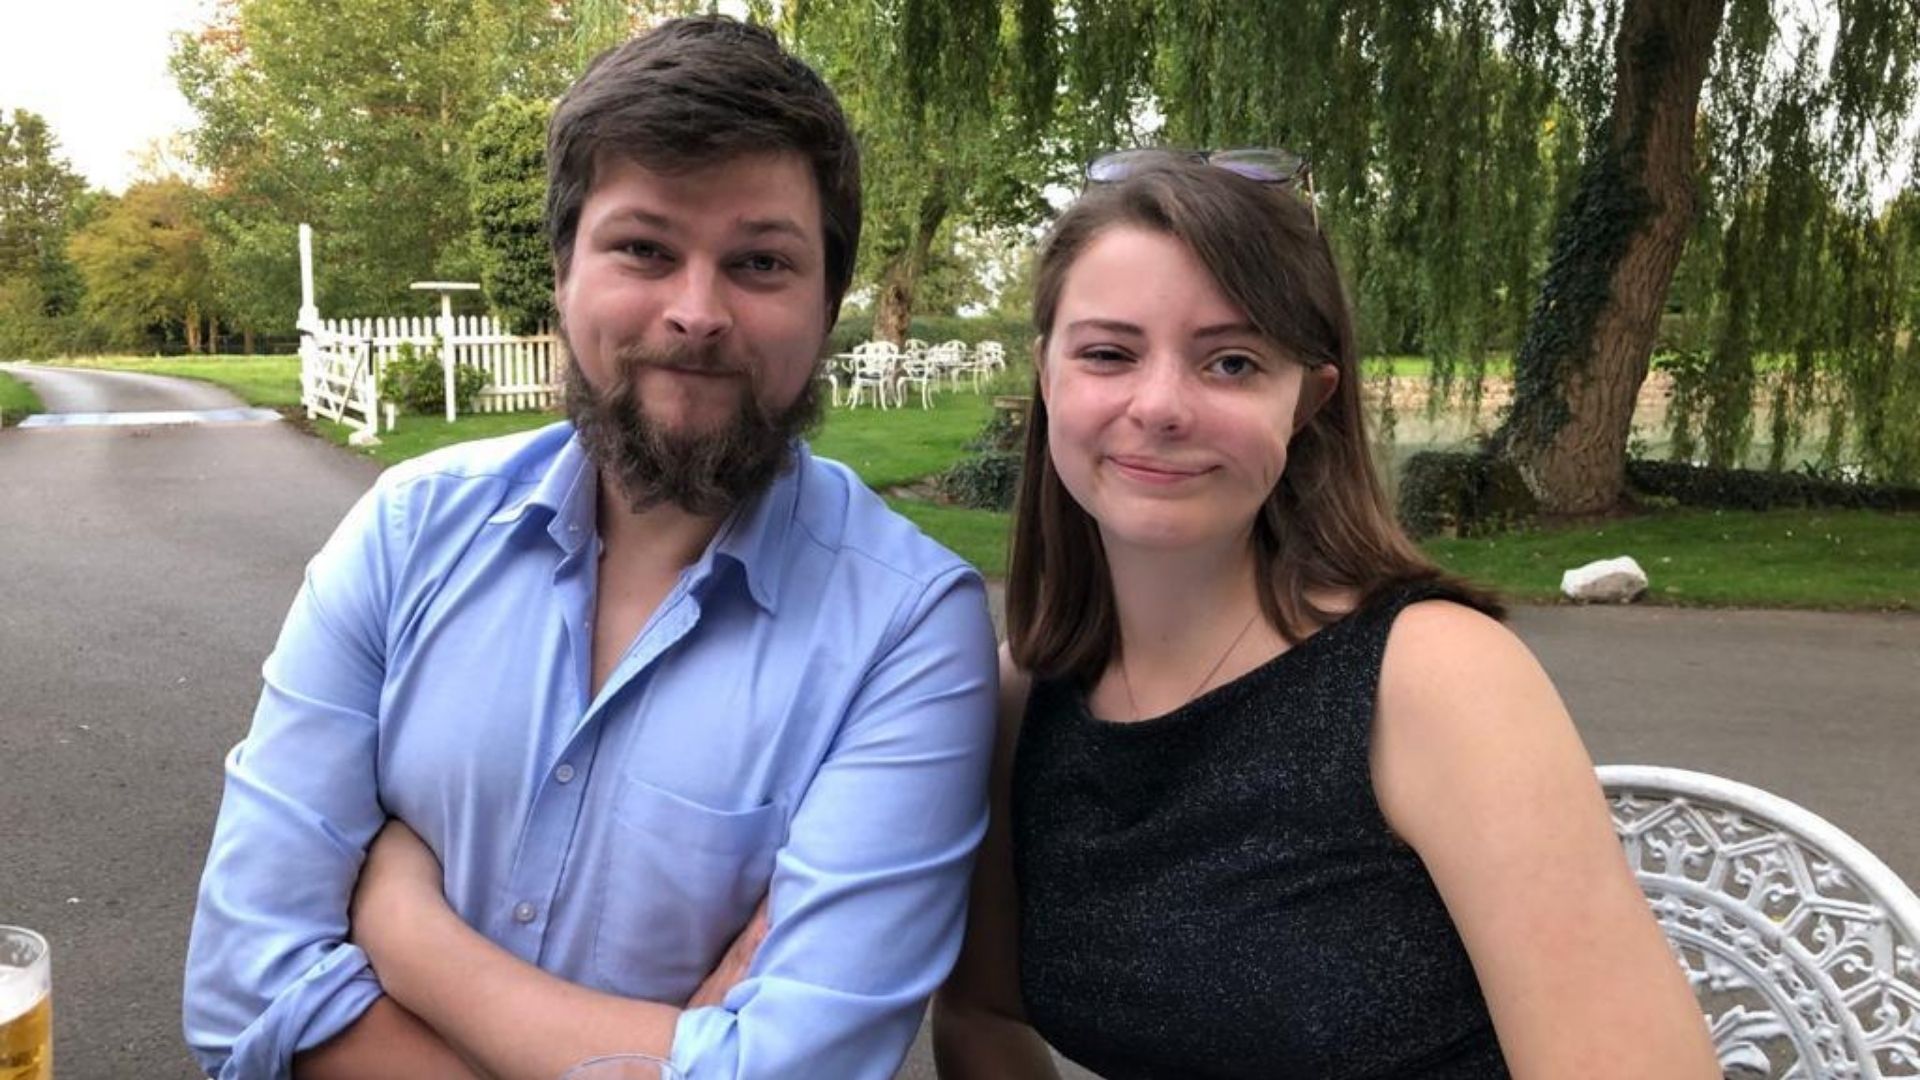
(1802, 946)
(874, 357)
(991, 354)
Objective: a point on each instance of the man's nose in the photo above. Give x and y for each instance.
(698, 313)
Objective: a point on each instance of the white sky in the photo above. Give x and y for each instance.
(97, 70)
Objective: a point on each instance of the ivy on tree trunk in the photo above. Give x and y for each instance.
(1586, 348)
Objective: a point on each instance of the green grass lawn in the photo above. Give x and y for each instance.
(978, 536)
(271, 382)
(1781, 558)
(17, 400)
(1788, 558)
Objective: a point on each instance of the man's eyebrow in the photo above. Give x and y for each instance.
(763, 226)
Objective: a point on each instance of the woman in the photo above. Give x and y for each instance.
(1274, 796)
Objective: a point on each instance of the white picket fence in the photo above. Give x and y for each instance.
(341, 361)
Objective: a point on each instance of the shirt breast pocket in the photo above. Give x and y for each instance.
(681, 880)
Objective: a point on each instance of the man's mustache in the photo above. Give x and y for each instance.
(704, 360)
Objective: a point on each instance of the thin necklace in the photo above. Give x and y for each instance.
(1127, 683)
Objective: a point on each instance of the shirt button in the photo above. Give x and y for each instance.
(564, 773)
(523, 912)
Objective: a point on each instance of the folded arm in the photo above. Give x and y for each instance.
(865, 906)
(269, 971)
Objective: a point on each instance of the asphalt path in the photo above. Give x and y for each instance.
(144, 572)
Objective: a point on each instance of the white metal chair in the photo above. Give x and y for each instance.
(921, 370)
(871, 368)
(989, 359)
(950, 359)
(1802, 946)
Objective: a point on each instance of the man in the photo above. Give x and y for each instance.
(626, 676)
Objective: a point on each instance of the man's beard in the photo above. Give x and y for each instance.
(703, 471)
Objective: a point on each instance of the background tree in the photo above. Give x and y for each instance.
(952, 102)
(354, 116)
(41, 201)
(508, 189)
(144, 260)
(1448, 139)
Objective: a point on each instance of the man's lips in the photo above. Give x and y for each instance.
(1148, 470)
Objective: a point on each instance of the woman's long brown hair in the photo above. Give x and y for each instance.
(1326, 526)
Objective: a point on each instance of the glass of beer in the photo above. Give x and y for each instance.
(619, 1067)
(26, 1006)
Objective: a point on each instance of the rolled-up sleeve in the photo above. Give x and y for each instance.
(269, 971)
(869, 892)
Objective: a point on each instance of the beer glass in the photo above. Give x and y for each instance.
(26, 1006)
(620, 1067)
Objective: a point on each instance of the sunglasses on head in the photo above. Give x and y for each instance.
(1262, 165)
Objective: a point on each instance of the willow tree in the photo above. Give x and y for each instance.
(952, 101)
(1497, 170)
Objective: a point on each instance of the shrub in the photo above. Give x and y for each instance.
(1462, 494)
(415, 381)
(985, 481)
(1750, 489)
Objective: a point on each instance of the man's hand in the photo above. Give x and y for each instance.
(733, 965)
(400, 885)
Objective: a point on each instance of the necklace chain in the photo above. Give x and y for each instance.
(1127, 683)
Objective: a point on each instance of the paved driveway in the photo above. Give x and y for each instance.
(144, 571)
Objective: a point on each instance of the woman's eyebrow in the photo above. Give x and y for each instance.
(1112, 326)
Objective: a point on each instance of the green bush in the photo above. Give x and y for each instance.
(1462, 494)
(1750, 489)
(985, 481)
(414, 381)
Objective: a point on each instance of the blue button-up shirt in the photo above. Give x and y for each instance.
(807, 715)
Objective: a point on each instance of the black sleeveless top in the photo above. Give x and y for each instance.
(1214, 893)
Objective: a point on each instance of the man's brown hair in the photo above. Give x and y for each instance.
(1325, 527)
(694, 92)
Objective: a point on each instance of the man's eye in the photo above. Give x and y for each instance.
(644, 250)
(763, 264)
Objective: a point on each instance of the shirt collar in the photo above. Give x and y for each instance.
(755, 534)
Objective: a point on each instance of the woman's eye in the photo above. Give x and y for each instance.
(1235, 364)
(1103, 354)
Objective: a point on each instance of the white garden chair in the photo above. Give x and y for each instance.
(1802, 947)
(989, 359)
(921, 370)
(871, 370)
(950, 359)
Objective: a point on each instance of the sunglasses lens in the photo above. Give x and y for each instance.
(1265, 166)
(1117, 166)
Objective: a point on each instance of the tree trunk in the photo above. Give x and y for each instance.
(193, 328)
(894, 313)
(1586, 347)
(246, 341)
(212, 343)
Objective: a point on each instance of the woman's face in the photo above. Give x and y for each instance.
(1168, 415)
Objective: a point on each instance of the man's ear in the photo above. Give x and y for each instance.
(1316, 389)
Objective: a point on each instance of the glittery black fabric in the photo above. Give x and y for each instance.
(1214, 893)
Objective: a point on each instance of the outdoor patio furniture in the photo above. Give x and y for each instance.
(951, 360)
(989, 359)
(1802, 946)
(921, 370)
(871, 371)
